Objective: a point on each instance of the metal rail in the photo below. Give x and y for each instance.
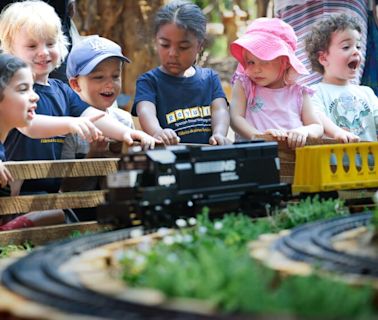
(312, 243)
(38, 277)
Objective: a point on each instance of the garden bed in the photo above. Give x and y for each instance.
(203, 269)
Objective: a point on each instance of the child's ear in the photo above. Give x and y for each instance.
(201, 46)
(74, 84)
(285, 63)
(322, 57)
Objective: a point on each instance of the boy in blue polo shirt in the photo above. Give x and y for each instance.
(94, 72)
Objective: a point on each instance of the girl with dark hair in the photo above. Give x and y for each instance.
(18, 102)
(180, 101)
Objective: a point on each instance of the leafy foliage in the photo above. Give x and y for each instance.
(308, 210)
(374, 220)
(6, 251)
(211, 261)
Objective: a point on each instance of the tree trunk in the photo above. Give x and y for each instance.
(128, 23)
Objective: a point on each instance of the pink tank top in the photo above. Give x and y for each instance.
(273, 108)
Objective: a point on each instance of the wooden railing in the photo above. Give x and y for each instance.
(84, 199)
(62, 200)
(56, 169)
(287, 155)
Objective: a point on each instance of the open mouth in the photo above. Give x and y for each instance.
(353, 65)
(42, 62)
(107, 94)
(31, 113)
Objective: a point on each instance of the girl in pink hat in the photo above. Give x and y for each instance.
(265, 96)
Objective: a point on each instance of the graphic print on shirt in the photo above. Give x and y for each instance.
(351, 113)
(186, 121)
(257, 104)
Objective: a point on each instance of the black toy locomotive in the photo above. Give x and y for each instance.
(156, 187)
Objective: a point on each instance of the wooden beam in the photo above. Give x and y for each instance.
(287, 179)
(80, 199)
(43, 235)
(287, 169)
(62, 168)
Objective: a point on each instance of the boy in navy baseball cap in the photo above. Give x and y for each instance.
(94, 72)
(94, 69)
(88, 53)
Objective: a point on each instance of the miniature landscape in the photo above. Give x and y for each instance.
(179, 269)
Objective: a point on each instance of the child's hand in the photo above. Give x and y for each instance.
(85, 128)
(277, 134)
(5, 176)
(219, 139)
(346, 136)
(99, 147)
(167, 136)
(296, 138)
(147, 141)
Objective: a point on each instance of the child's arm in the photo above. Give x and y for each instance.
(5, 176)
(149, 122)
(114, 129)
(238, 106)
(220, 122)
(332, 130)
(335, 132)
(44, 126)
(312, 128)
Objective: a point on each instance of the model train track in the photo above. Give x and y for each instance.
(40, 277)
(313, 243)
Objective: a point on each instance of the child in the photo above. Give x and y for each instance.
(347, 111)
(179, 101)
(32, 31)
(18, 102)
(303, 14)
(265, 97)
(94, 69)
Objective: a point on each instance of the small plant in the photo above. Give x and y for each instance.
(6, 251)
(309, 210)
(77, 234)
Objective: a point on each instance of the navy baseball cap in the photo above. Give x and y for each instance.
(89, 52)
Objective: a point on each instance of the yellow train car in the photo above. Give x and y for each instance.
(336, 167)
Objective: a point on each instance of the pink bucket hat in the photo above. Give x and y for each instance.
(267, 39)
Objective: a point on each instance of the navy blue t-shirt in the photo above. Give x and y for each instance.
(4, 192)
(182, 104)
(2, 152)
(57, 99)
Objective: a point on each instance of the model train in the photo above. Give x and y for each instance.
(156, 187)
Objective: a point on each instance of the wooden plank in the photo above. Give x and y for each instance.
(287, 179)
(287, 169)
(43, 235)
(79, 199)
(309, 141)
(357, 194)
(62, 168)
